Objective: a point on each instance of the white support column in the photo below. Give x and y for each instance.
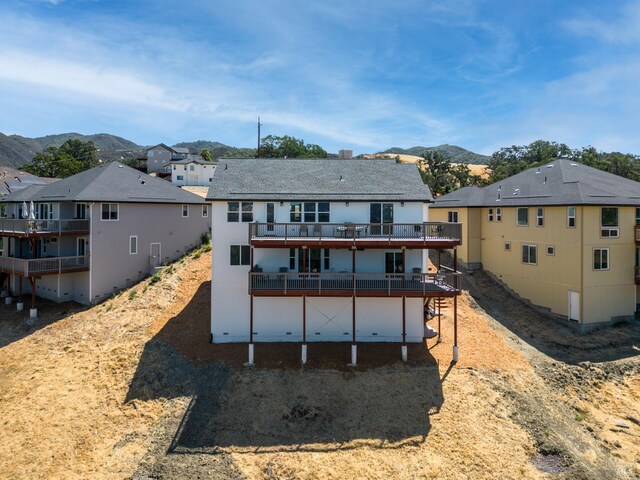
(304, 354)
(19, 306)
(33, 313)
(456, 354)
(354, 355)
(250, 363)
(404, 353)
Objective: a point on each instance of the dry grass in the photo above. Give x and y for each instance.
(480, 170)
(63, 390)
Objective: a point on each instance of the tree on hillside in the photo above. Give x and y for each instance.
(272, 146)
(206, 154)
(511, 160)
(71, 157)
(442, 176)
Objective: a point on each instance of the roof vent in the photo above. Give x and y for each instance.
(549, 166)
(120, 166)
(499, 188)
(516, 191)
(574, 164)
(341, 178)
(545, 180)
(538, 170)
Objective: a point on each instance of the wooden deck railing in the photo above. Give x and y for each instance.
(27, 227)
(328, 231)
(40, 266)
(381, 283)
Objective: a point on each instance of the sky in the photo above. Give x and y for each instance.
(364, 75)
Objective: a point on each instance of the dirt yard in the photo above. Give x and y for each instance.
(480, 170)
(132, 388)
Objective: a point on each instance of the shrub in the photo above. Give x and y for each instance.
(132, 294)
(155, 278)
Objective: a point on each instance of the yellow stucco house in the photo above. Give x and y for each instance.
(563, 236)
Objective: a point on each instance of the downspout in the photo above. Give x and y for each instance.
(582, 266)
(90, 255)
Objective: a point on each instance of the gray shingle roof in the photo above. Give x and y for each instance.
(562, 182)
(12, 180)
(317, 179)
(112, 182)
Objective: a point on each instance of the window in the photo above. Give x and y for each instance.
(530, 254)
(205, 210)
(540, 217)
(174, 167)
(609, 222)
(292, 259)
(601, 259)
(180, 177)
(452, 216)
(81, 211)
(110, 211)
(551, 250)
(571, 217)
(327, 260)
(309, 212)
(498, 214)
(192, 168)
(523, 217)
(235, 215)
(240, 255)
(490, 215)
(637, 216)
(185, 210)
(3, 211)
(133, 245)
(507, 246)
(1, 245)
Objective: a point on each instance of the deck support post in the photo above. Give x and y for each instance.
(304, 330)
(250, 362)
(439, 320)
(404, 329)
(354, 346)
(33, 313)
(455, 329)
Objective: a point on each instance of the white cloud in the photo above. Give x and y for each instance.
(621, 30)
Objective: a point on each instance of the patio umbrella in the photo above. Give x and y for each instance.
(32, 211)
(25, 212)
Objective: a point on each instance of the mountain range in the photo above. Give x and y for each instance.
(16, 150)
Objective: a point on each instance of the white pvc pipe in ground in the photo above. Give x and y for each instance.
(33, 313)
(456, 354)
(354, 355)
(304, 353)
(404, 353)
(250, 354)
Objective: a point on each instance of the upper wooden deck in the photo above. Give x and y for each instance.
(37, 267)
(347, 235)
(23, 228)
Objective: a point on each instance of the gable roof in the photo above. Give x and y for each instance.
(171, 149)
(12, 180)
(561, 182)
(112, 182)
(317, 179)
(193, 159)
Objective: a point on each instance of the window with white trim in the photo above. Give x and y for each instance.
(522, 217)
(3, 211)
(490, 215)
(180, 177)
(601, 259)
(309, 212)
(185, 210)
(498, 214)
(235, 214)
(81, 211)
(530, 254)
(551, 250)
(240, 255)
(205, 210)
(571, 217)
(507, 246)
(609, 222)
(540, 217)
(133, 245)
(109, 211)
(452, 216)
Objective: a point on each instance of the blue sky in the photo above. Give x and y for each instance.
(366, 75)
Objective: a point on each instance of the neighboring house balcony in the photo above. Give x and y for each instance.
(330, 284)
(365, 235)
(37, 267)
(10, 227)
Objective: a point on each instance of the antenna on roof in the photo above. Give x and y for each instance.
(259, 125)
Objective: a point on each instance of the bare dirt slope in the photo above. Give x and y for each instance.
(132, 388)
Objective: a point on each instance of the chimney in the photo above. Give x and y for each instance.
(345, 154)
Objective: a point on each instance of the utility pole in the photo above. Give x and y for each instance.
(259, 125)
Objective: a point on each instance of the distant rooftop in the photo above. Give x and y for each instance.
(12, 180)
(193, 159)
(561, 182)
(112, 182)
(317, 179)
